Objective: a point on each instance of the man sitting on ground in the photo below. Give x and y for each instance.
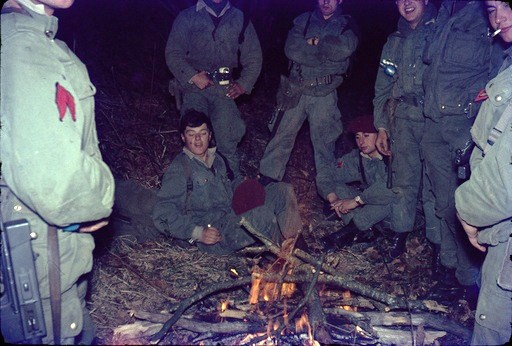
(360, 196)
(199, 202)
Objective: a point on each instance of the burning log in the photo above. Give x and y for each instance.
(299, 257)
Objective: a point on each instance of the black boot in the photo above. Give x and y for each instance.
(398, 245)
(447, 290)
(340, 238)
(470, 295)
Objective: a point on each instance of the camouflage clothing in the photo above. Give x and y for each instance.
(197, 43)
(485, 201)
(51, 164)
(404, 48)
(183, 212)
(321, 68)
(459, 59)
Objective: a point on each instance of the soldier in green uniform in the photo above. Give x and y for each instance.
(484, 202)
(52, 170)
(200, 203)
(207, 39)
(319, 47)
(459, 58)
(362, 206)
(400, 79)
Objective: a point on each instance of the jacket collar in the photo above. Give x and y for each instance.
(202, 5)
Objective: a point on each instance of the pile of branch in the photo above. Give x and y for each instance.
(308, 271)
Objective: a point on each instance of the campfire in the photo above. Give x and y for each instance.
(293, 299)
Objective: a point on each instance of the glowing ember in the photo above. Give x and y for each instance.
(346, 295)
(234, 272)
(224, 306)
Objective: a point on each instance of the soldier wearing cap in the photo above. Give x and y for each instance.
(371, 202)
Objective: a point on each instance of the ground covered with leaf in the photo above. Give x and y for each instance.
(154, 275)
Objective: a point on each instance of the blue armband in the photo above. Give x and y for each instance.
(72, 228)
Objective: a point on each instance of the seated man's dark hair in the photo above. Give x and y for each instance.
(193, 118)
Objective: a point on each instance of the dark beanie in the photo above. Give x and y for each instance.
(248, 195)
(217, 8)
(362, 123)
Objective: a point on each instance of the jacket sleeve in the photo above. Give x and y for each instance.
(168, 212)
(338, 47)
(250, 59)
(486, 198)
(330, 48)
(347, 171)
(53, 165)
(176, 50)
(383, 88)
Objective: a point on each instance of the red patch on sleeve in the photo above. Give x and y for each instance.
(64, 101)
(482, 96)
(339, 164)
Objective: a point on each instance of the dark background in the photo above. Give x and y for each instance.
(128, 37)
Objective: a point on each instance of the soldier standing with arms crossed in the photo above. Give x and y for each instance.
(319, 47)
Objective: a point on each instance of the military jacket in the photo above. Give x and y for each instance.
(374, 190)
(179, 210)
(485, 200)
(196, 44)
(404, 48)
(52, 169)
(50, 160)
(459, 59)
(337, 42)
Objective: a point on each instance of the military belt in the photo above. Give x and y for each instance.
(327, 79)
(411, 100)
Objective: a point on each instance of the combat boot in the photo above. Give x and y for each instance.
(397, 245)
(447, 290)
(340, 238)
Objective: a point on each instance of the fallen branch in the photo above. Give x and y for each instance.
(300, 257)
(185, 304)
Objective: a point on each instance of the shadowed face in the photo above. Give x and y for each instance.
(197, 139)
(328, 7)
(366, 143)
(500, 17)
(412, 10)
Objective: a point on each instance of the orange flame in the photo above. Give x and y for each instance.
(346, 295)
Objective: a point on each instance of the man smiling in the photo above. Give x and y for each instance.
(200, 202)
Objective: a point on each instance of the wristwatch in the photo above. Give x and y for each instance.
(358, 200)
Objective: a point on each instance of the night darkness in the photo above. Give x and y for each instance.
(129, 37)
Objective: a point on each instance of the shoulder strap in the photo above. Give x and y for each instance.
(498, 129)
(361, 169)
(190, 184)
(308, 22)
(229, 171)
(241, 36)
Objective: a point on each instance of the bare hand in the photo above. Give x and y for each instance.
(235, 90)
(201, 80)
(382, 143)
(344, 206)
(89, 228)
(472, 233)
(313, 41)
(210, 236)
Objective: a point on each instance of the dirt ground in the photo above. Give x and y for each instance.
(137, 126)
(152, 272)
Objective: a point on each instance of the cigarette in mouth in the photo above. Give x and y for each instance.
(496, 33)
